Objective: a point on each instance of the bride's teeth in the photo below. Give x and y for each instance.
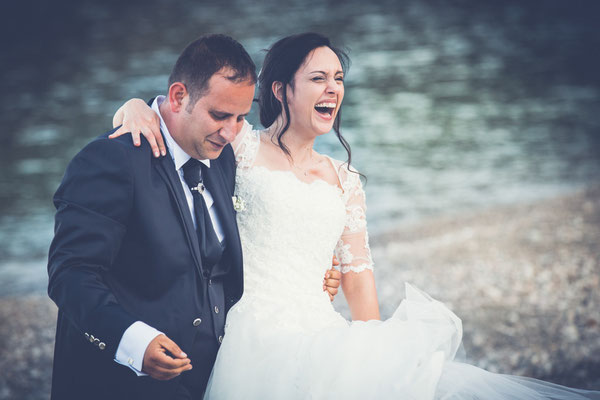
(326, 105)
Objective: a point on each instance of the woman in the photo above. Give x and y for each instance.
(300, 207)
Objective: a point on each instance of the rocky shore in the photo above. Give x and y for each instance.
(525, 280)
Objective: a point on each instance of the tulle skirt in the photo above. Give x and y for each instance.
(409, 356)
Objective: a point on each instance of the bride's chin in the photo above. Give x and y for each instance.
(322, 127)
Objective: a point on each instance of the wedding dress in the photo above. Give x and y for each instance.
(284, 340)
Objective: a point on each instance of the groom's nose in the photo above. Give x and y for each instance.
(230, 130)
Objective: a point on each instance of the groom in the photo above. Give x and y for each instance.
(146, 259)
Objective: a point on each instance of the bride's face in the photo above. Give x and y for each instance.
(316, 93)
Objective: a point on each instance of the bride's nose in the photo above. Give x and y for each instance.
(333, 86)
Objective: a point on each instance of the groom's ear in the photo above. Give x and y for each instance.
(177, 96)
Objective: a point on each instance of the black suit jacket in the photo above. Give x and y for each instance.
(125, 249)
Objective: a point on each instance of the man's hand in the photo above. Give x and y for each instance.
(331, 282)
(164, 360)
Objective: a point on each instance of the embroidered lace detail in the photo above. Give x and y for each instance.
(246, 150)
(344, 254)
(357, 269)
(352, 250)
(356, 220)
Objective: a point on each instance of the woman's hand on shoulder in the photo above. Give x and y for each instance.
(137, 118)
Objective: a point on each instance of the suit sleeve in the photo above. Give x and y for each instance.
(93, 204)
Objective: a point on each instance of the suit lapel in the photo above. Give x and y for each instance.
(166, 169)
(215, 182)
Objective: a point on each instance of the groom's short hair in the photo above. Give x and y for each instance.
(204, 57)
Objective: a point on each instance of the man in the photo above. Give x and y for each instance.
(146, 259)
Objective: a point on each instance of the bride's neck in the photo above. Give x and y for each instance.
(299, 144)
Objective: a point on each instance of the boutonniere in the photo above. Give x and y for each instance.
(238, 203)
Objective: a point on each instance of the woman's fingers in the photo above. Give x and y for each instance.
(153, 137)
(155, 130)
(136, 117)
(121, 131)
(152, 134)
(151, 140)
(158, 136)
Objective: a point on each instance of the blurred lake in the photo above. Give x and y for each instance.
(450, 106)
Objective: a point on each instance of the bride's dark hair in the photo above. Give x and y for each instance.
(282, 61)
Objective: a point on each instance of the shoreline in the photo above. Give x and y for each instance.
(525, 280)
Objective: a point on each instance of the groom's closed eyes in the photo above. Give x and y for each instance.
(222, 116)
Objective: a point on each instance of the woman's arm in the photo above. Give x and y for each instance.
(136, 117)
(361, 295)
(354, 254)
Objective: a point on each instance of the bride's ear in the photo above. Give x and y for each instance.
(277, 88)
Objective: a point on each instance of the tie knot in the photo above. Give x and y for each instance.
(191, 172)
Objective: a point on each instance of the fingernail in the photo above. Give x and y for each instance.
(156, 154)
(164, 153)
(183, 354)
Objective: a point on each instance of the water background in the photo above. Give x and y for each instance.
(450, 106)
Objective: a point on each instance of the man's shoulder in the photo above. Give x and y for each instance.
(120, 146)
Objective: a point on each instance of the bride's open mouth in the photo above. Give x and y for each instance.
(325, 109)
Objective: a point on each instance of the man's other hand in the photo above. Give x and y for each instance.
(164, 360)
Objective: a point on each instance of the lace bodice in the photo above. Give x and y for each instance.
(290, 230)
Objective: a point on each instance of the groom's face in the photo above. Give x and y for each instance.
(216, 118)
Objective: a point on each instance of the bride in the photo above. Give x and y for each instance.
(301, 206)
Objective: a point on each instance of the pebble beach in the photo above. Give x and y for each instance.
(524, 279)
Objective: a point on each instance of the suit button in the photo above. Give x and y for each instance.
(91, 338)
(87, 336)
(220, 339)
(209, 282)
(197, 322)
(102, 345)
(216, 310)
(96, 342)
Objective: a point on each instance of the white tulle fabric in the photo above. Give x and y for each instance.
(284, 340)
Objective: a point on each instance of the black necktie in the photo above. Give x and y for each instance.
(210, 247)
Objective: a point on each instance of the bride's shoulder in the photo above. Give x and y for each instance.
(246, 144)
(246, 133)
(342, 168)
(348, 176)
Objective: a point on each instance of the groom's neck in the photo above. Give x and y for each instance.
(169, 117)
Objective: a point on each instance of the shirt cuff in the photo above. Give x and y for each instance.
(133, 344)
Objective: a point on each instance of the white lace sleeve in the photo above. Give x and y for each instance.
(353, 250)
(245, 146)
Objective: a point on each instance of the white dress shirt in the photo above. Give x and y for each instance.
(138, 336)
